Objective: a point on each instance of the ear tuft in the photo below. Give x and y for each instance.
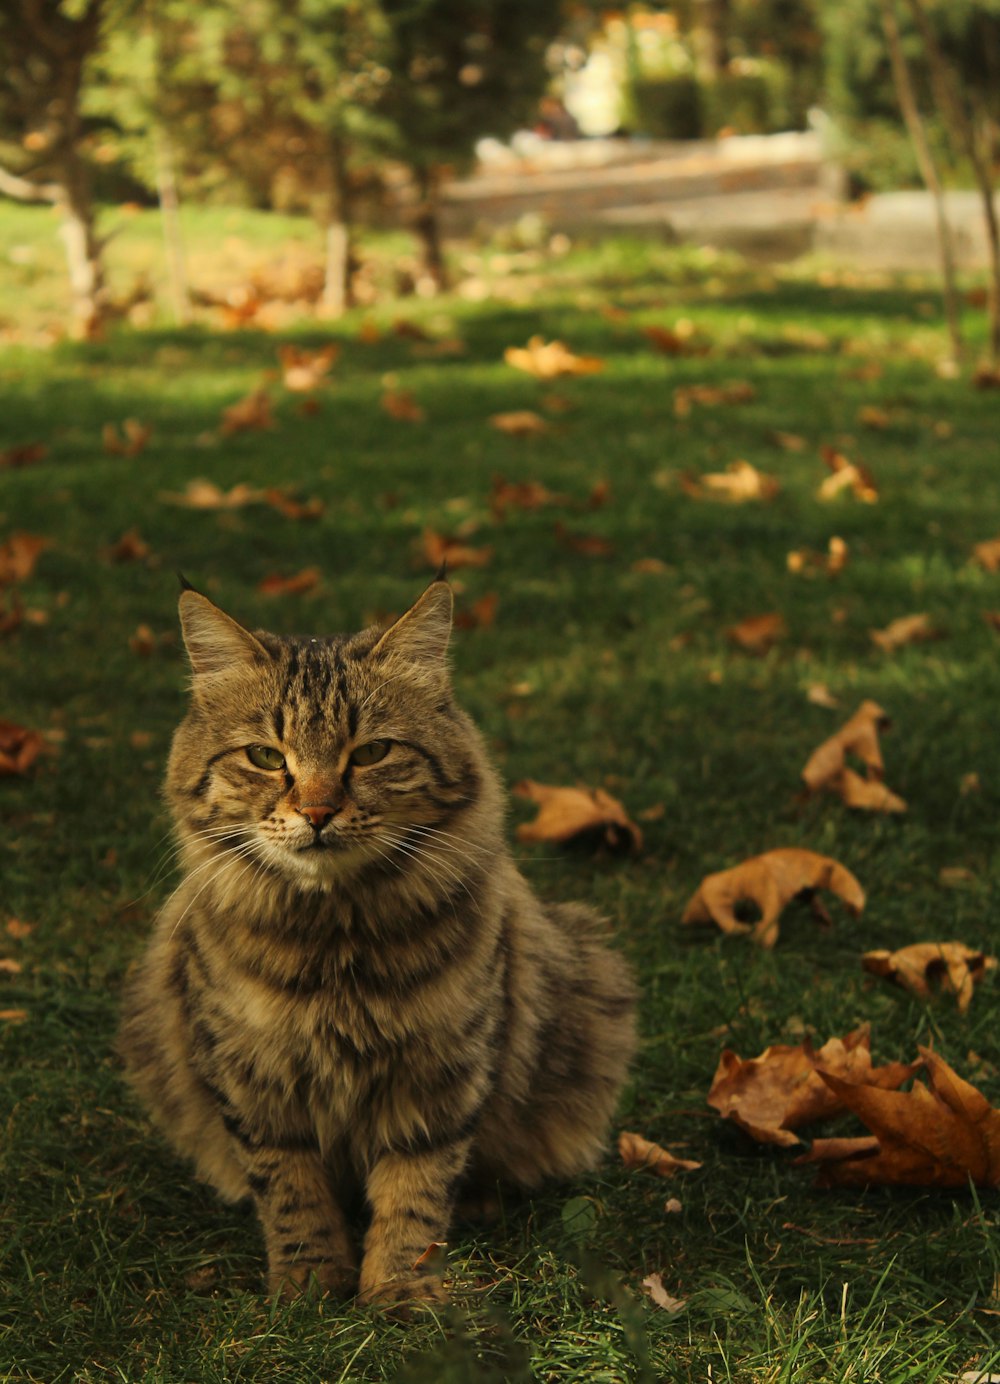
(215, 641)
(422, 634)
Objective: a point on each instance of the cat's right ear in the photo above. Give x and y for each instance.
(215, 642)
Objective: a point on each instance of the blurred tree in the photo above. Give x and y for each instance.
(45, 47)
(460, 69)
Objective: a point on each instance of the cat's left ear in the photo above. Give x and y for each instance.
(422, 634)
(215, 642)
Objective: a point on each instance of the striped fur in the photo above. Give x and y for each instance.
(366, 993)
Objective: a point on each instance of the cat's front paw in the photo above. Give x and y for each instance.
(401, 1297)
(289, 1281)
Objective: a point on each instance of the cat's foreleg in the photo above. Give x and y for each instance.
(411, 1195)
(305, 1230)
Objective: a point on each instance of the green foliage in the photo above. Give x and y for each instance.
(666, 107)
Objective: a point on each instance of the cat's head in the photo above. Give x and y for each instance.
(322, 757)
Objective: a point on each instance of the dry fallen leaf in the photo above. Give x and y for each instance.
(739, 482)
(401, 405)
(827, 766)
(549, 360)
(250, 413)
(19, 555)
(940, 1135)
(820, 695)
(276, 585)
(202, 494)
(290, 507)
(649, 566)
(788, 442)
(586, 544)
(769, 881)
(847, 475)
(9, 967)
(956, 967)
(480, 615)
(452, 552)
(771, 1095)
(585, 815)
(129, 442)
(710, 395)
(871, 416)
(520, 423)
(18, 929)
(131, 547)
(19, 748)
(23, 454)
(528, 495)
(908, 629)
(653, 1285)
(807, 560)
(302, 370)
(13, 1016)
(639, 1152)
(758, 633)
(987, 554)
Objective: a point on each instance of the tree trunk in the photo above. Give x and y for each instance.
(166, 186)
(928, 169)
(712, 37)
(337, 294)
(966, 139)
(427, 228)
(83, 248)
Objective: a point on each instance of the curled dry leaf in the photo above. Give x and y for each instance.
(953, 965)
(129, 442)
(586, 544)
(585, 815)
(401, 405)
(871, 416)
(769, 882)
(202, 494)
(290, 507)
(846, 475)
(827, 766)
(249, 414)
(277, 585)
(653, 1285)
(776, 1093)
(939, 1135)
(519, 423)
(23, 454)
(908, 629)
(820, 695)
(528, 495)
(758, 633)
(738, 483)
(711, 395)
(807, 560)
(19, 555)
(452, 552)
(548, 360)
(131, 547)
(788, 442)
(639, 1152)
(302, 370)
(19, 748)
(13, 1016)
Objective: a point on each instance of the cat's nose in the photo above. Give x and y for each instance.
(318, 814)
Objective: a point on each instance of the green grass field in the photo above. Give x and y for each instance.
(115, 1266)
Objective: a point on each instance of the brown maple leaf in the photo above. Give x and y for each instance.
(769, 882)
(520, 423)
(290, 507)
(846, 475)
(276, 585)
(480, 615)
(807, 560)
(776, 1093)
(23, 454)
(758, 633)
(202, 494)
(401, 405)
(987, 554)
(251, 413)
(19, 555)
(953, 965)
(639, 1152)
(586, 544)
(711, 395)
(548, 360)
(302, 370)
(587, 816)
(19, 748)
(453, 552)
(945, 1134)
(129, 442)
(827, 766)
(526, 495)
(131, 547)
(907, 629)
(738, 483)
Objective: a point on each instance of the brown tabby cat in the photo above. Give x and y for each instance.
(353, 984)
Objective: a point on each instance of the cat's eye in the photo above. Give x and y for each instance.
(265, 757)
(370, 753)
